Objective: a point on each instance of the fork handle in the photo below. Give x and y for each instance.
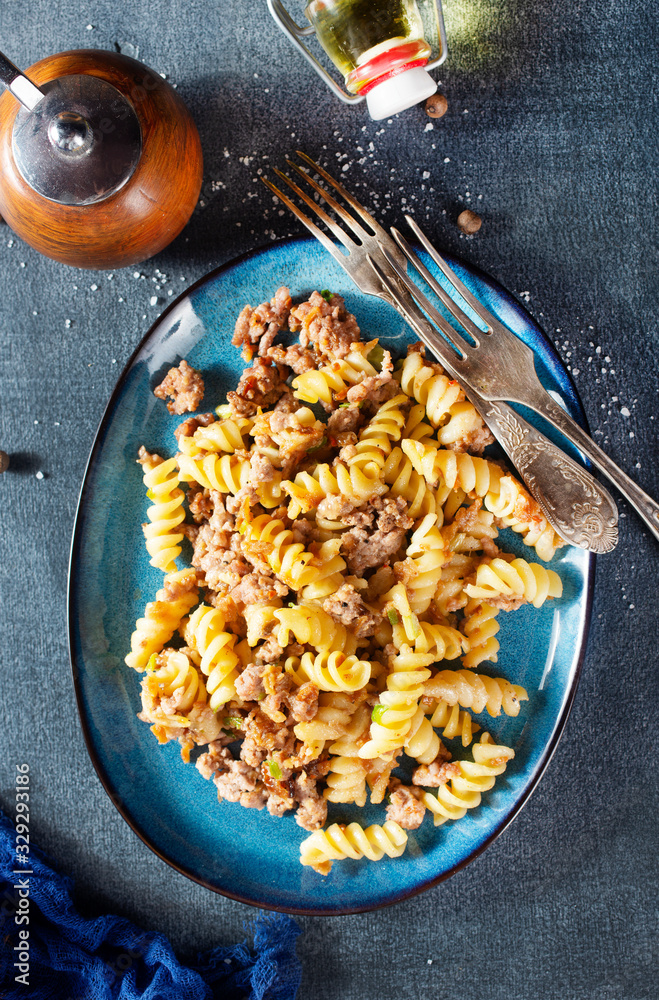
(547, 407)
(578, 508)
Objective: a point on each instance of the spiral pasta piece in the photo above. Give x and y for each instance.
(352, 841)
(178, 680)
(331, 383)
(346, 780)
(329, 566)
(333, 671)
(416, 427)
(404, 481)
(422, 741)
(205, 633)
(453, 722)
(443, 641)
(162, 617)
(165, 514)
(476, 476)
(330, 721)
(435, 392)
(392, 716)
(464, 422)
(476, 691)
(427, 556)
(516, 580)
(375, 440)
(225, 473)
(480, 628)
(464, 791)
(308, 623)
(308, 490)
(269, 538)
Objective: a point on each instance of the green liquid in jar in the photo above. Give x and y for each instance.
(352, 32)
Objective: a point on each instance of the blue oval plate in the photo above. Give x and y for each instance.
(249, 855)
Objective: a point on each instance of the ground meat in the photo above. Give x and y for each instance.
(435, 774)
(298, 359)
(370, 385)
(267, 735)
(347, 419)
(328, 325)
(203, 723)
(334, 507)
(261, 325)
(173, 590)
(218, 556)
(251, 753)
(191, 424)
(270, 651)
(200, 503)
(385, 391)
(262, 469)
(249, 684)
(312, 811)
(216, 761)
(404, 808)
(148, 460)
(184, 386)
(241, 783)
(305, 531)
(363, 549)
(347, 607)
(256, 588)
(303, 702)
(261, 385)
(293, 432)
(475, 442)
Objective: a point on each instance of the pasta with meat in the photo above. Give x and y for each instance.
(340, 571)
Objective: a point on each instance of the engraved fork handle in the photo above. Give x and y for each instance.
(579, 509)
(648, 508)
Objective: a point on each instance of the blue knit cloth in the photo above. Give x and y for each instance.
(109, 958)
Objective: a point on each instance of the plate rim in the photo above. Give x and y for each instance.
(72, 591)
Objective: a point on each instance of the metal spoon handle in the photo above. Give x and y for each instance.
(18, 84)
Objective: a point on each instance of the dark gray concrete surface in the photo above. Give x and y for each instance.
(550, 136)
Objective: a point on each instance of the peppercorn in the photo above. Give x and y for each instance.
(469, 222)
(436, 106)
(4, 461)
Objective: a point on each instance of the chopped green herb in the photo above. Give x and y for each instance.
(326, 294)
(261, 696)
(233, 721)
(321, 444)
(392, 615)
(343, 406)
(274, 769)
(378, 712)
(153, 659)
(292, 604)
(376, 357)
(151, 495)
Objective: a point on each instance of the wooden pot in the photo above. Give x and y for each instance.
(153, 206)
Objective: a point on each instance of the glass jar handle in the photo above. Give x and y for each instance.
(295, 33)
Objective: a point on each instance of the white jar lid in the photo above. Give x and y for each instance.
(400, 92)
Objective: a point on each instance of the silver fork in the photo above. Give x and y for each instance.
(575, 504)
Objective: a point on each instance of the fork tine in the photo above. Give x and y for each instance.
(455, 310)
(332, 202)
(305, 220)
(454, 338)
(340, 234)
(359, 209)
(470, 299)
